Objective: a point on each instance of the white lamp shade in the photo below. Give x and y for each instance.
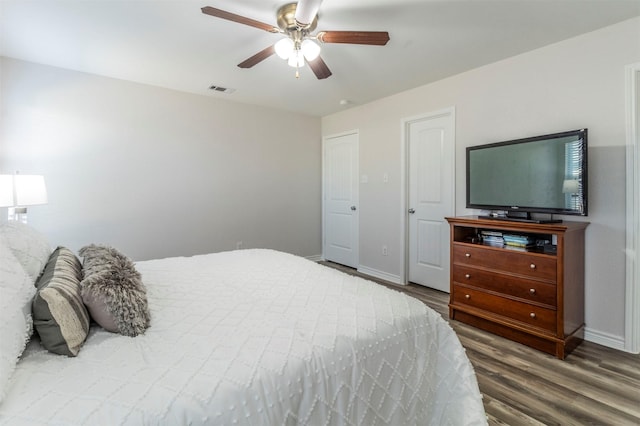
(30, 190)
(296, 59)
(6, 191)
(22, 190)
(284, 48)
(310, 50)
(570, 186)
(306, 10)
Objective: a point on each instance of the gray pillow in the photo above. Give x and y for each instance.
(113, 291)
(59, 315)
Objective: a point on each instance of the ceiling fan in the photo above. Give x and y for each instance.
(297, 21)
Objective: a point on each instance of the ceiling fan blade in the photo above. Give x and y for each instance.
(258, 57)
(208, 10)
(319, 68)
(377, 38)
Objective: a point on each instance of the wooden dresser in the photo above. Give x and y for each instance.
(532, 295)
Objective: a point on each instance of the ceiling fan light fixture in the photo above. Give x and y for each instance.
(296, 60)
(310, 49)
(297, 21)
(284, 48)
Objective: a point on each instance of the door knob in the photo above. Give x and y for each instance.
(412, 211)
(353, 208)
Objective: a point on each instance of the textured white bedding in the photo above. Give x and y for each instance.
(256, 337)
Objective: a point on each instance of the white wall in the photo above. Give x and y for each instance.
(569, 85)
(156, 172)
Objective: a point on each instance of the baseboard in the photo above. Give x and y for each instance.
(395, 279)
(604, 339)
(315, 258)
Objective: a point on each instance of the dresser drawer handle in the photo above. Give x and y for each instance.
(532, 290)
(467, 296)
(532, 315)
(467, 254)
(532, 266)
(467, 276)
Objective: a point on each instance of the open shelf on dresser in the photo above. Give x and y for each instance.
(532, 293)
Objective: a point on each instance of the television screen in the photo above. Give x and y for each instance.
(542, 174)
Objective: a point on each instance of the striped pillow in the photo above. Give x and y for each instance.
(59, 316)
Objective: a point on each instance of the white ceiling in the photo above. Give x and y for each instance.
(172, 44)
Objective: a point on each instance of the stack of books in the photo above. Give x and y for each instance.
(492, 238)
(523, 241)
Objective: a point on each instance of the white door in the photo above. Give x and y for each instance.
(340, 188)
(431, 149)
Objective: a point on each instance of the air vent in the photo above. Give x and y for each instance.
(221, 89)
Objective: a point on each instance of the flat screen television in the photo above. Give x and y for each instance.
(541, 174)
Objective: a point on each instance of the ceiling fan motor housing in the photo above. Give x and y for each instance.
(287, 21)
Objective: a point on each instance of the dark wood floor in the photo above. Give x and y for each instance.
(594, 385)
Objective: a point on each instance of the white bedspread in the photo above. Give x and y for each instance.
(256, 337)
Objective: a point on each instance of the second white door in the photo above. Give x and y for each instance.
(340, 204)
(431, 149)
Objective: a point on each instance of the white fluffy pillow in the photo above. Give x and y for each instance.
(17, 290)
(30, 247)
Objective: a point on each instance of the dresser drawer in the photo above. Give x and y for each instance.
(523, 288)
(529, 314)
(522, 263)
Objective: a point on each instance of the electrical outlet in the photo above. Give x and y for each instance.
(238, 245)
(385, 251)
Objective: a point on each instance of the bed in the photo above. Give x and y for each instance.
(254, 337)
